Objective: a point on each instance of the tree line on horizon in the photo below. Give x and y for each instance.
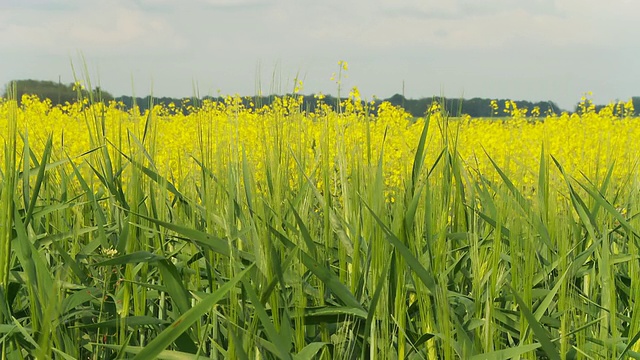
(59, 94)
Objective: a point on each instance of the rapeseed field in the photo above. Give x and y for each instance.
(227, 230)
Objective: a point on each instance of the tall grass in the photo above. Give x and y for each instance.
(105, 256)
(6, 213)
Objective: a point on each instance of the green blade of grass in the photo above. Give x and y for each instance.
(79, 297)
(99, 214)
(408, 256)
(632, 342)
(547, 345)
(602, 202)
(39, 179)
(128, 321)
(27, 334)
(63, 355)
(162, 355)
(330, 314)
(309, 352)
(7, 329)
(240, 353)
(282, 343)
(311, 246)
(76, 266)
(175, 286)
(331, 281)
(579, 205)
(157, 178)
(410, 213)
(209, 241)
(543, 182)
(620, 346)
(373, 304)
(548, 299)
(184, 322)
(525, 205)
(35, 266)
(605, 183)
(26, 155)
(109, 182)
(506, 354)
(49, 166)
(419, 158)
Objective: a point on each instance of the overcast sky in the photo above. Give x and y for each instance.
(519, 49)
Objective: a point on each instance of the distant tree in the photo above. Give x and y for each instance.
(58, 93)
(397, 100)
(636, 104)
(475, 107)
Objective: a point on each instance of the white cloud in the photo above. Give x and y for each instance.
(104, 28)
(463, 24)
(233, 3)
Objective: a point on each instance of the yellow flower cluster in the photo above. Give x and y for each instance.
(584, 143)
(219, 133)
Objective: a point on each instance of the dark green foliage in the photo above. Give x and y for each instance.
(57, 92)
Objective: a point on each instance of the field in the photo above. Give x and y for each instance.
(226, 231)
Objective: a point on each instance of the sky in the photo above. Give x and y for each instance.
(537, 50)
